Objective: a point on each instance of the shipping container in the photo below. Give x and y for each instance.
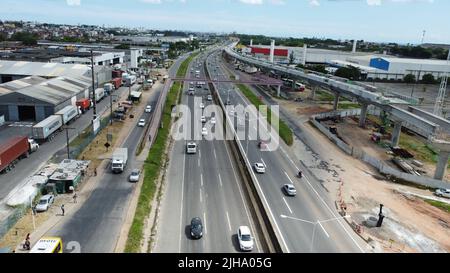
(117, 82)
(84, 104)
(44, 130)
(12, 150)
(108, 87)
(117, 74)
(68, 113)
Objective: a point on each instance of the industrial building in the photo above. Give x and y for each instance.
(35, 98)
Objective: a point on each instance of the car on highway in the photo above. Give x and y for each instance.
(148, 109)
(209, 98)
(245, 238)
(202, 105)
(204, 131)
(262, 145)
(196, 228)
(141, 123)
(443, 193)
(290, 190)
(213, 120)
(203, 119)
(191, 148)
(228, 102)
(45, 202)
(260, 168)
(135, 175)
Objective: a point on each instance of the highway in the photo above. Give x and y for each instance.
(97, 224)
(307, 222)
(205, 185)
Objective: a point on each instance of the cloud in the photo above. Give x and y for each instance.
(73, 2)
(373, 2)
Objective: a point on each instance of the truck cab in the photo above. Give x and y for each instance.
(34, 146)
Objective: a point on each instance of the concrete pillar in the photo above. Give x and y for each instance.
(336, 102)
(442, 165)
(278, 90)
(251, 42)
(313, 92)
(272, 51)
(362, 118)
(396, 133)
(354, 46)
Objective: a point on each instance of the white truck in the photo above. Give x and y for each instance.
(119, 160)
(68, 113)
(99, 94)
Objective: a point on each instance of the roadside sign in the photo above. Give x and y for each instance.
(109, 137)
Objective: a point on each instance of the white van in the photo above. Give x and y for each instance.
(191, 148)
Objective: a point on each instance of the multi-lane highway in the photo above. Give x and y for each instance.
(307, 222)
(97, 224)
(206, 185)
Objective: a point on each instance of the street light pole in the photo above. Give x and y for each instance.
(67, 140)
(93, 85)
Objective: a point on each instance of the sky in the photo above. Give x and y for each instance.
(401, 21)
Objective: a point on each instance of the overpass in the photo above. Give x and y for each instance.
(429, 127)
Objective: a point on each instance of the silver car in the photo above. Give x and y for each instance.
(135, 175)
(290, 190)
(443, 193)
(45, 202)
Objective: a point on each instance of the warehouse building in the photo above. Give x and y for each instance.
(393, 68)
(14, 70)
(35, 98)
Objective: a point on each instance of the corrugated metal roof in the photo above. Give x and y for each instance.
(42, 69)
(12, 86)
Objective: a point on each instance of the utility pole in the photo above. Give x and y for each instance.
(67, 140)
(93, 85)
(420, 69)
(111, 108)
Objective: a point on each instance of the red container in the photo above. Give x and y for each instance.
(117, 82)
(85, 104)
(117, 74)
(14, 148)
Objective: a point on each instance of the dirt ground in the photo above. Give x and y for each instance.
(411, 225)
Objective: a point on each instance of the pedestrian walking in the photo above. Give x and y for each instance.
(62, 209)
(95, 172)
(75, 198)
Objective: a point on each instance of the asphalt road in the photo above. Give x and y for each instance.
(204, 185)
(27, 167)
(97, 224)
(311, 223)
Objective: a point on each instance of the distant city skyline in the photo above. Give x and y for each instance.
(399, 21)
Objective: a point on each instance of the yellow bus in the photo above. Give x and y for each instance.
(48, 245)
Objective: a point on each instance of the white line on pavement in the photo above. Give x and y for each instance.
(229, 223)
(326, 233)
(204, 217)
(287, 205)
(201, 197)
(264, 163)
(182, 200)
(215, 155)
(220, 181)
(289, 178)
(201, 179)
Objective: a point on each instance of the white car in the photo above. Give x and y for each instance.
(443, 193)
(134, 176)
(245, 239)
(203, 119)
(202, 106)
(45, 203)
(209, 98)
(141, 123)
(148, 109)
(260, 168)
(204, 132)
(213, 120)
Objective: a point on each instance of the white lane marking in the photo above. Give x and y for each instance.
(204, 217)
(215, 155)
(264, 163)
(287, 205)
(289, 178)
(220, 181)
(242, 198)
(229, 223)
(326, 233)
(201, 197)
(198, 162)
(182, 200)
(201, 179)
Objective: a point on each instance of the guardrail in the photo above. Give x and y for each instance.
(273, 237)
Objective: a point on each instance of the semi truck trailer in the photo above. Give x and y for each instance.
(15, 149)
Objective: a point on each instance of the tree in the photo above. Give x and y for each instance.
(318, 68)
(351, 73)
(291, 58)
(410, 78)
(428, 79)
(26, 38)
(122, 46)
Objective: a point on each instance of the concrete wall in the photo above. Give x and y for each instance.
(2, 120)
(374, 162)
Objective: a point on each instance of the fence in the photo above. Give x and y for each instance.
(374, 162)
(12, 219)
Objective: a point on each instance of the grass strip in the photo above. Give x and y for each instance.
(283, 130)
(153, 165)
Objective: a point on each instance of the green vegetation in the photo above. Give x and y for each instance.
(324, 96)
(443, 206)
(153, 165)
(26, 38)
(122, 46)
(345, 106)
(410, 78)
(428, 79)
(351, 73)
(284, 131)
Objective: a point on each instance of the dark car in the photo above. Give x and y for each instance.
(196, 228)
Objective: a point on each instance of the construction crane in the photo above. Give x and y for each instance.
(440, 100)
